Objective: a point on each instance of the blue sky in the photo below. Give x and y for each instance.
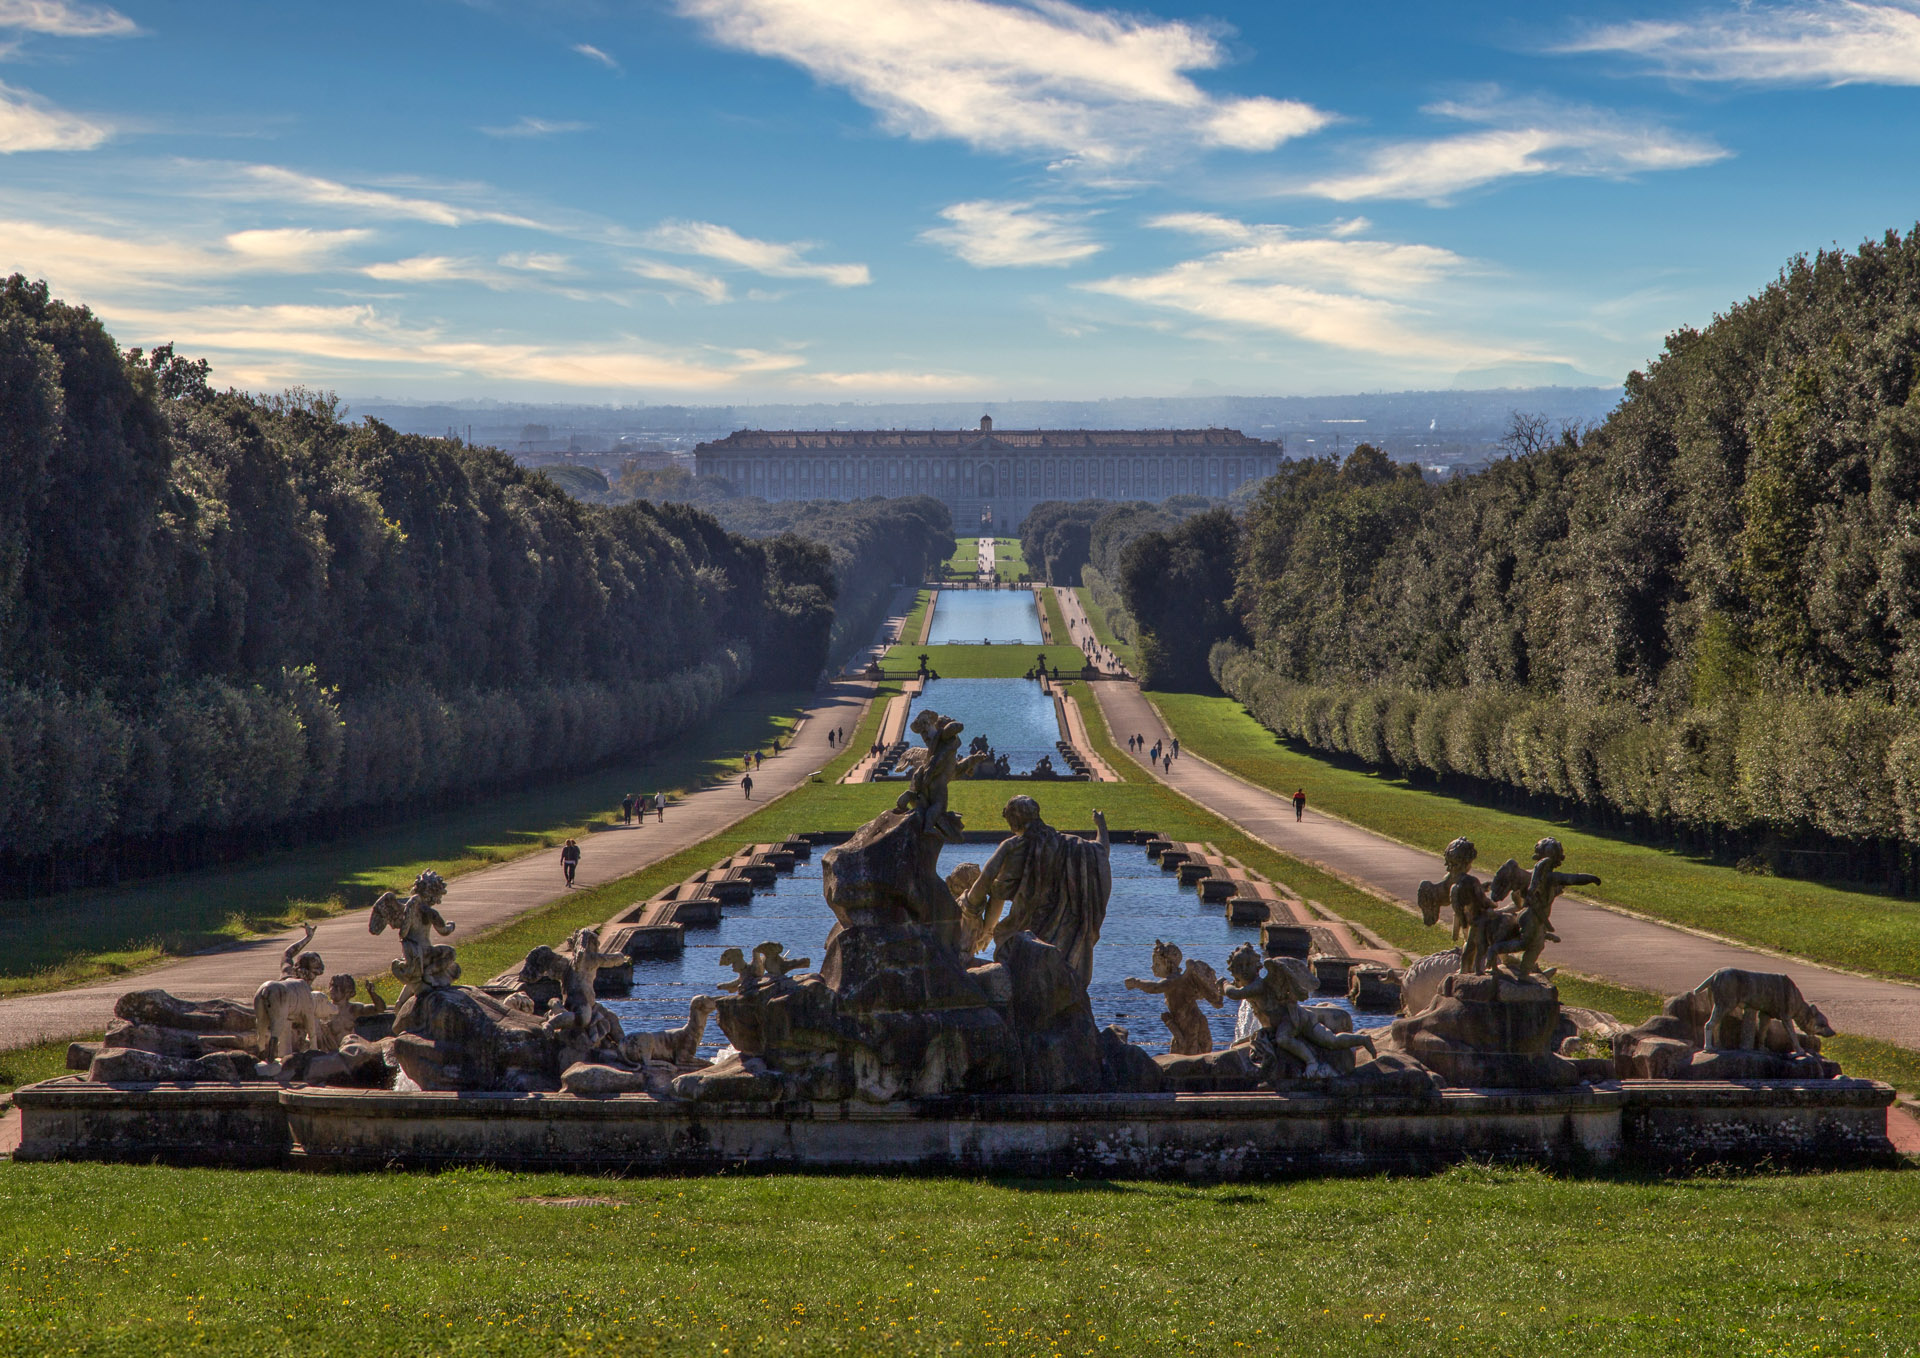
(730, 200)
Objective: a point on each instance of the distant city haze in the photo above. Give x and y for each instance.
(1447, 429)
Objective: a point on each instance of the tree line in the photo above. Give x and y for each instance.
(1699, 619)
(227, 619)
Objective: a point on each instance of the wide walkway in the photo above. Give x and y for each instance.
(475, 902)
(1595, 941)
(1080, 631)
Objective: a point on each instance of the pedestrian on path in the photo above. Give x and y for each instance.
(1176, 747)
(830, 739)
(1166, 764)
(626, 809)
(660, 804)
(746, 786)
(570, 861)
(1299, 803)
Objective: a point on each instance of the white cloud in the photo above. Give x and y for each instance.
(1368, 296)
(1520, 139)
(891, 380)
(536, 262)
(362, 335)
(81, 263)
(771, 258)
(1817, 42)
(529, 126)
(1045, 77)
(710, 286)
(274, 183)
(29, 123)
(592, 53)
(292, 247)
(991, 235)
(435, 269)
(61, 19)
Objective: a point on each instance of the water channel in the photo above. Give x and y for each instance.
(1017, 719)
(1147, 904)
(968, 617)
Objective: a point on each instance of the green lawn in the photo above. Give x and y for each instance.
(1102, 632)
(966, 557)
(981, 662)
(83, 936)
(1009, 563)
(115, 1259)
(1056, 618)
(916, 620)
(1853, 929)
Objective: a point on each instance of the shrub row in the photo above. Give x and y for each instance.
(1842, 766)
(213, 755)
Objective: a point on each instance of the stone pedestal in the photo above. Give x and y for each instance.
(1489, 1032)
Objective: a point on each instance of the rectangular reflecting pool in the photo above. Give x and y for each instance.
(1013, 714)
(972, 616)
(1146, 904)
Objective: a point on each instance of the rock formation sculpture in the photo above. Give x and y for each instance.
(1183, 990)
(903, 1005)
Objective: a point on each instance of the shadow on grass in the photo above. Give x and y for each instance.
(51, 942)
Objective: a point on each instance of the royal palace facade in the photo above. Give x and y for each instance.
(989, 477)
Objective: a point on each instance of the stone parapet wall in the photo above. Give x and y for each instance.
(1170, 1136)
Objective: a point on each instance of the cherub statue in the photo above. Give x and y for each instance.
(933, 769)
(1473, 903)
(1275, 995)
(744, 978)
(583, 950)
(301, 966)
(771, 964)
(1543, 886)
(346, 1011)
(1183, 991)
(576, 1014)
(423, 964)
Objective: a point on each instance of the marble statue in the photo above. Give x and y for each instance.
(743, 973)
(1182, 990)
(423, 964)
(676, 1046)
(771, 964)
(979, 930)
(1053, 885)
(1544, 884)
(1758, 996)
(935, 766)
(296, 965)
(1475, 912)
(289, 1016)
(1276, 988)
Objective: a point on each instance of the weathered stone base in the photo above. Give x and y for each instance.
(1178, 1136)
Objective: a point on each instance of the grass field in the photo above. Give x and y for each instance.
(1056, 619)
(1009, 563)
(981, 662)
(111, 1259)
(966, 557)
(1853, 929)
(1103, 633)
(83, 936)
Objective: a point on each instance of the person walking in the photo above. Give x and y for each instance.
(626, 809)
(1299, 803)
(1176, 747)
(830, 740)
(746, 786)
(1166, 763)
(570, 861)
(660, 804)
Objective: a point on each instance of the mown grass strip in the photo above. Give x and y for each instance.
(1853, 929)
(153, 1260)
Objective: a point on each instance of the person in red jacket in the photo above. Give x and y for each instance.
(1299, 803)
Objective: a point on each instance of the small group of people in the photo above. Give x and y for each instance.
(1163, 753)
(641, 803)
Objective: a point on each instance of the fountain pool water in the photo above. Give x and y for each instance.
(1146, 904)
(971, 616)
(1017, 719)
